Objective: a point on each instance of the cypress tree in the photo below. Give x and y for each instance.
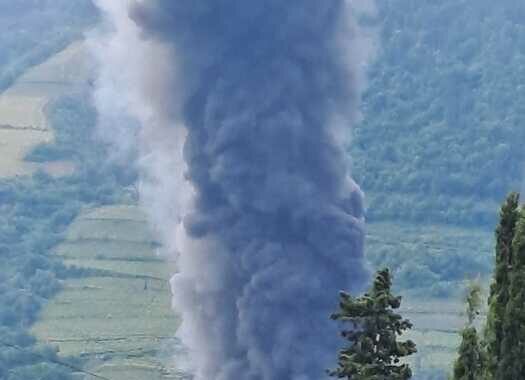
(469, 365)
(373, 352)
(511, 364)
(470, 362)
(499, 290)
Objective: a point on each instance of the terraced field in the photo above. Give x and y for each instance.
(437, 324)
(117, 317)
(23, 118)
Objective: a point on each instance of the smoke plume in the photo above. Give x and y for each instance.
(244, 108)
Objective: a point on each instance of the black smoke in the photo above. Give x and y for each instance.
(266, 89)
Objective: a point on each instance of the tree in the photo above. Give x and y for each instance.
(499, 289)
(373, 352)
(470, 362)
(511, 365)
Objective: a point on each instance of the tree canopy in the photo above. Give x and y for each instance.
(372, 328)
(442, 127)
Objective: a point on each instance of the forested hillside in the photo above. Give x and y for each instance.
(33, 30)
(444, 113)
(35, 212)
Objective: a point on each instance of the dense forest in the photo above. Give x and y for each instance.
(443, 114)
(440, 139)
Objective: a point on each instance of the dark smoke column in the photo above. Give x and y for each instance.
(275, 231)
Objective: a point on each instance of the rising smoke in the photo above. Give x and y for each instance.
(244, 107)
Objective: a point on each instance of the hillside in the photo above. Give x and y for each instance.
(25, 104)
(117, 317)
(430, 260)
(105, 259)
(31, 31)
(438, 147)
(441, 139)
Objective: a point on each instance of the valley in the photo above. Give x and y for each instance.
(117, 316)
(23, 109)
(438, 147)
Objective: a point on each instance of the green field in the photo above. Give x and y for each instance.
(437, 325)
(23, 109)
(120, 320)
(119, 317)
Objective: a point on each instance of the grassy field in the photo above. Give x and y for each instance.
(14, 145)
(437, 324)
(119, 320)
(23, 118)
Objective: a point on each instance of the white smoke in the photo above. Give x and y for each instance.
(126, 97)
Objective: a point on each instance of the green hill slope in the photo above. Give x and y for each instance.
(439, 146)
(442, 135)
(33, 30)
(25, 105)
(117, 317)
(430, 260)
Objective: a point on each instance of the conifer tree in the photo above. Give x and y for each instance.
(470, 362)
(373, 352)
(511, 364)
(499, 290)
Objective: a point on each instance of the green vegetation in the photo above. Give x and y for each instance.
(437, 325)
(499, 356)
(471, 360)
(469, 365)
(441, 139)
(373, 351)
(499, 290)
(116, 318)
(429, 260)
(495, 355)
(512, 346)
(71, 121)
(35, 211)
(24, 109)
(33, 30)
(439, 146)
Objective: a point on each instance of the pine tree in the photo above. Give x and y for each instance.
(373, 352)
(470, 362)
(499, 290)
(511, 364)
